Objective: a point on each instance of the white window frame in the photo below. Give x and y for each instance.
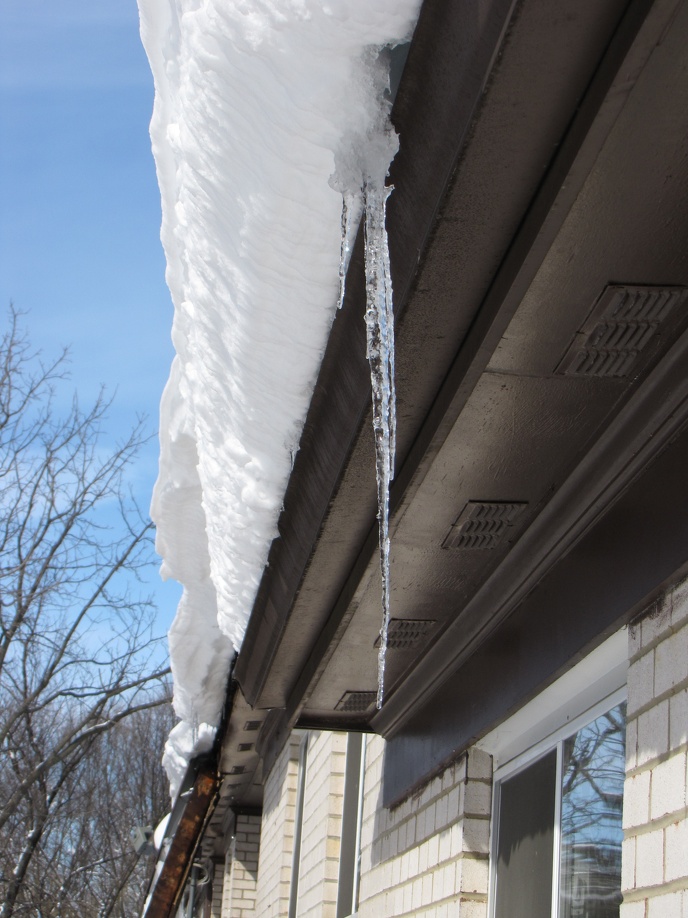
(544, 724)
(355, 803)
(298, 824)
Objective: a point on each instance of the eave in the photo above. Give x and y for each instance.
(542, 160)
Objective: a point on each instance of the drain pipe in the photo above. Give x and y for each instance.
(192, 891)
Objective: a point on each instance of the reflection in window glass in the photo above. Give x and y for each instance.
(591, 833)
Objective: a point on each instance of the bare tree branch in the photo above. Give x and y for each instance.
(81, 670)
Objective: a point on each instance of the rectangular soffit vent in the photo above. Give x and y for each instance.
(483, 525)
(623, 322)
(356, 702)
(408, 633)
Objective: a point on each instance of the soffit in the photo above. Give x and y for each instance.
(519, 123)
(571, 177)
(523, 428)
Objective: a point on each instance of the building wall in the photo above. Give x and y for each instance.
(655, 854)
(277, 834)
(220, 881)
(240, 875)
(322, 824)
(428, 856)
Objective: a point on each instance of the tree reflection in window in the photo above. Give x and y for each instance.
(591, 832)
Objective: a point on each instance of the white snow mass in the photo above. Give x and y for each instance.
(254, 101)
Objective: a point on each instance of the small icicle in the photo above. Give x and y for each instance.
(380, 353)
(351, 216)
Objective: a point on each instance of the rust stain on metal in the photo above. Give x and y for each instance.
(170, 883)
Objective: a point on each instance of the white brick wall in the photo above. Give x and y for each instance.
(322, 825)
(277, 833)
(655, 853)
(428, 856)
(239, 887)
(216, 905)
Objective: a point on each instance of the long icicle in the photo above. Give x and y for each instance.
(380, 353)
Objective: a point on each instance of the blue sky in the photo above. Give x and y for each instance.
(80, 207)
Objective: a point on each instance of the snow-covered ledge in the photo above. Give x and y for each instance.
(253, 101)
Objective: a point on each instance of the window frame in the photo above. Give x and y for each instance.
(298, 824)
(349, 870)
(597, 673)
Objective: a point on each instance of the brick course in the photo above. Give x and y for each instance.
(277, 834)
(428, 856)
(655, 854)
(322, 823)
(240, 875)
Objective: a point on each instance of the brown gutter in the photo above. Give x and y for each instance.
(189, 815)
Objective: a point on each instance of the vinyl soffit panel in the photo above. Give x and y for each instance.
(482, 525)
(356, 702)
(408, 633)
(624, 321)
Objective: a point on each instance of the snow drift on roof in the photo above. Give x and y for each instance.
(253, 100)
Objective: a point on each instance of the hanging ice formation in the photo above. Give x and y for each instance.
(360, 177)
(351, 217)
(380, 353)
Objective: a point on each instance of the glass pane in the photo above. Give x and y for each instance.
(591, 833)
(526, 837)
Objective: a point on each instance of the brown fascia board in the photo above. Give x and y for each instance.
(189, 815)
(432, 138)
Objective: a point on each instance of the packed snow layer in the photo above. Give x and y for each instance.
(254, 100)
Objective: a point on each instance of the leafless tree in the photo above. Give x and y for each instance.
(88, 867)
(78, 656)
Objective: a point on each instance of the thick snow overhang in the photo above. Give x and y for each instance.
(265, 115)
(539, 220)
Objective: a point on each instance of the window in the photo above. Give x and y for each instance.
(557, 832)
(352, 814)
(298, 824)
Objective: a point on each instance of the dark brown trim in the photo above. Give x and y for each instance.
(247, 810)
(190, 813)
